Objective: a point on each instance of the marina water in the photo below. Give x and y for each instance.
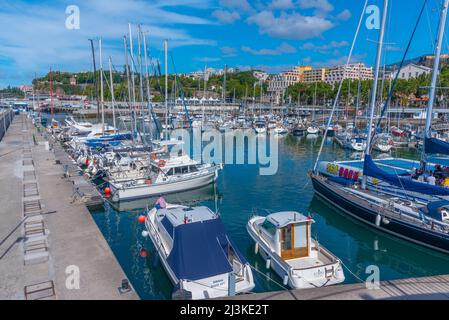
(240, 192)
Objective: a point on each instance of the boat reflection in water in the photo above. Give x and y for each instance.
(396, 258)
(191, 197)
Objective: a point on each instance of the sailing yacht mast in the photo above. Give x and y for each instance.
(166, 88)
(147, 77)
(101, 87)
(51, 94)
(111, 80)
(125, 43)
(376, 80)
(436, 68)
(133, 67)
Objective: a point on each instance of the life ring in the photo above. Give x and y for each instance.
(161, 163)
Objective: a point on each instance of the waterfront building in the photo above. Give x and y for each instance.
(353, 71)
(411, 71)
(279, 83)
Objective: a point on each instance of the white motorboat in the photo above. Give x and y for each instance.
(279, 129)
(197, 254)
(284, 241)
(168, 173)
(313, 130)
(260, 126)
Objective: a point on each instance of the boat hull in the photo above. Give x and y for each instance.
(144, 191)
(367, 214)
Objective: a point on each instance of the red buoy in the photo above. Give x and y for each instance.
(143, 253)
(107, 191)
(87, 162)
(141, 219)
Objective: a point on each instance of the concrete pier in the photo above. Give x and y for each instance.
(425, 288)
(47, 240)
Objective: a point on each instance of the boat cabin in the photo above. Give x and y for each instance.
(289, 234)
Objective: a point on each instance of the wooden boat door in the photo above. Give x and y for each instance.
(295, 247)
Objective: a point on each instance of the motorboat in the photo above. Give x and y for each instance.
(313, 130)
(168, 173)
(284, 241)
(260, 126)
(197, 254)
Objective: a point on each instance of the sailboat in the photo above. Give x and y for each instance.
(379, 193)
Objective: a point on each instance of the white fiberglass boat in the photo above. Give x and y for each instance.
(197, 254)
(284, 240)
(167, 174)
(313, 130)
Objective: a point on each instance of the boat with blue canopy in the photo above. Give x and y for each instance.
(200, 259)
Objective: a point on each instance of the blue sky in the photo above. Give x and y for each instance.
(272, 35)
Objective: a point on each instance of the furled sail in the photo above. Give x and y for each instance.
(436, 146)
(372, 170)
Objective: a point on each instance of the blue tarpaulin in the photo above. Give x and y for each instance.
(432, 209)
(370, 169)
(436, 146)
(200, 250)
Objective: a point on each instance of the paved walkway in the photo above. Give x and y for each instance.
(44, 237)
(426, 288)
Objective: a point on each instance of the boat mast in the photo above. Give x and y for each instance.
(147, 76)
(101, 87)
(133, 67)
(376, 80)
(112, 94)
(166, 88)
(436, 68)
(125, 43)
(139, 35)
(95, 78)
(51, 94)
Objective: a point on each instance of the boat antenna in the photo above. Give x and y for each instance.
(435, 71)
(376, 80)
(334, 107)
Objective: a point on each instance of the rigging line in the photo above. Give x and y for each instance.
(393, 86)
(352, 273)
(340, 86)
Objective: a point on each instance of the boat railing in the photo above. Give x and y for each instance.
(153, 231)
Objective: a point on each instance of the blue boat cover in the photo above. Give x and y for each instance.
(372, 170)
(432, 209)
(200, 250)
(436, 146)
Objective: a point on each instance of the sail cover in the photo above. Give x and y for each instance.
(200, 250)
(372, 170)
(436, 146)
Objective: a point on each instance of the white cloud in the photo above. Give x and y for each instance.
(344, 15)
(319, 5)
(281, 4)
(290, 26)
(36, 36)
(242, 5)
(207, 59)
(228, 52)
(284, 48)
(226, 17)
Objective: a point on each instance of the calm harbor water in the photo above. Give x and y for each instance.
(240, 191)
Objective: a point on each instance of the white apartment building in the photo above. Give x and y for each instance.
(354, 71)
(411, 71)
(280, 82)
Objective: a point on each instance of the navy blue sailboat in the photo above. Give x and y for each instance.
(421, 213)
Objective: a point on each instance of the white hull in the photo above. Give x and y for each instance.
(212, 287)
(148, 190)
(313, 130)
(305, 278)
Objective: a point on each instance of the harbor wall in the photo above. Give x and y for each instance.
(6, 118)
